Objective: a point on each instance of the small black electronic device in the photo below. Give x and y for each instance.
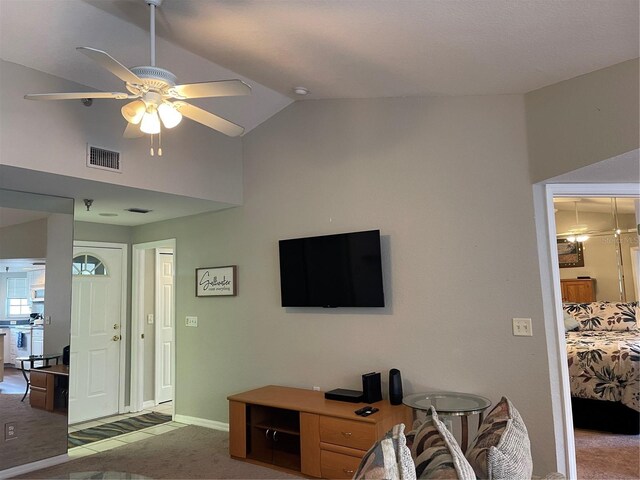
(360, 411)
(344, 395)
(371, 387)
(395, 387)
(369, 412)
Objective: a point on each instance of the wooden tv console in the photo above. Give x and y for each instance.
(299, 430)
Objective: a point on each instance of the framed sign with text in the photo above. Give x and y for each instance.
(216, 281)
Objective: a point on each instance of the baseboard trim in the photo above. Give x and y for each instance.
(148, 404)
(201, 422)
(30, 467)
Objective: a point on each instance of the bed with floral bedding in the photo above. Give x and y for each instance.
(603, 354)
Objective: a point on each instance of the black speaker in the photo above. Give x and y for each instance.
(65, 355)
(371, 387)
(395, 387)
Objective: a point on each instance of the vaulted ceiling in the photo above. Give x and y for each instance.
(334, 48)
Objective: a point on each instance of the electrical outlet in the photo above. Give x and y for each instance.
(522, 327)
(47, 320)
(150, 318)
(191, 321)
(316, 389)
(10, 431)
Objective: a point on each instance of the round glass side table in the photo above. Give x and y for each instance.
(451, 404)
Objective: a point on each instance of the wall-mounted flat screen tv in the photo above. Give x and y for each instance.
(343, 270)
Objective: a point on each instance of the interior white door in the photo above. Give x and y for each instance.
(165, 320)
(95, 333)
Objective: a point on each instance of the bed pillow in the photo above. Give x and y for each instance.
(605, 316)
(570, 323)
(436, 453)
(501, 450)
(389, 458)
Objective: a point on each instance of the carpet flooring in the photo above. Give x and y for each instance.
(187, 452)
(607, 455)
(113, 429)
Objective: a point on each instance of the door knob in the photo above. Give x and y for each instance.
(116, 338)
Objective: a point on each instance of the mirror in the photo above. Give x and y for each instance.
(598, 248)
(36, 244)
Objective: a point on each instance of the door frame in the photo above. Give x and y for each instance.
(136, 400)
(122, 407)
(543, 194)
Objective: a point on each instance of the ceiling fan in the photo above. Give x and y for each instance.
(155, 96)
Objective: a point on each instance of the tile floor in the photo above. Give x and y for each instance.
(120, 440)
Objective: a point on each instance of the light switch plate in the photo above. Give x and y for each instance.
(150, 318)
(191, 321)
(522, 327)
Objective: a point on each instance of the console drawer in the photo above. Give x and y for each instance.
(38, 398)
(337, 465)
(348, 433)
(38, 379)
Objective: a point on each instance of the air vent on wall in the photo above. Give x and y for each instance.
(102, 158)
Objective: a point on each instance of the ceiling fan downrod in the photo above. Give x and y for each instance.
(152, 27)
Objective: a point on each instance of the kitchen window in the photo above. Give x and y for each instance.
(17, 297)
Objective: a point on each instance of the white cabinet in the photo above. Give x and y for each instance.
(36, 279)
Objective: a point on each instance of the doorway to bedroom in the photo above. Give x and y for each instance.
(599, 282)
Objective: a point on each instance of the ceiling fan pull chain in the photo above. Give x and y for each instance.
(151, 149)
(160, 143)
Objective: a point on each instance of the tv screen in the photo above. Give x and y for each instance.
(343, 270)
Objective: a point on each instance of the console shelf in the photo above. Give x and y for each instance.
(301, 431)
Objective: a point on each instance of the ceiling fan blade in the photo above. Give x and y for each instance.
(209, 119)
(132, 131)
(223, 88)
(76, 95)
(111, 64)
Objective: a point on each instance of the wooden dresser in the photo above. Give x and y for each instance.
(578, 290)
(299, 430)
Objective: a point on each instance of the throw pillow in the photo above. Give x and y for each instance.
(436, 453)
(570, 323)
(389, 458)
(501, 450)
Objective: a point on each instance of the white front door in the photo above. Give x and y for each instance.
(95, 333)
(164, 325)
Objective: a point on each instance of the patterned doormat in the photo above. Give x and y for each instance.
(113, 429)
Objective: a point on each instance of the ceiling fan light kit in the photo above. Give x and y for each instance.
(157, 100)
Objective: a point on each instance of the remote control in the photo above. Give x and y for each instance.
(362, 410)
(369, 412)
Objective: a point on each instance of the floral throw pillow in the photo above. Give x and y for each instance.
(501, 450)
(607, 316)
(389, 458)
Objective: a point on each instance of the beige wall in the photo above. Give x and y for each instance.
(25, 240)
(423, 171)
(583, 120)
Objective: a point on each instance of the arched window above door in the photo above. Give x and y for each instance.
(86, 264)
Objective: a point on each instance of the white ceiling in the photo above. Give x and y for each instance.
(595, 204)
(335, 48)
